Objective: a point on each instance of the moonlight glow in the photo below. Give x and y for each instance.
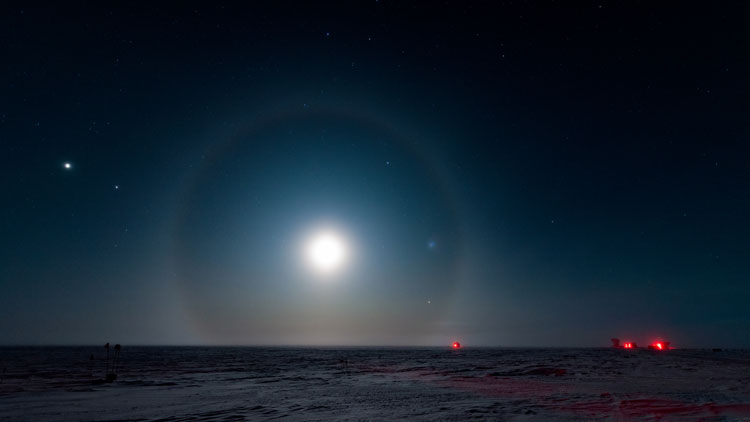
(326, 252)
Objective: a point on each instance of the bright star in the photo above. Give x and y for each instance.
(67, 165)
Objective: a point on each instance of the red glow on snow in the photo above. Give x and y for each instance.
(456, 345)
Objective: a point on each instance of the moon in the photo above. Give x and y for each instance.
(326, 251)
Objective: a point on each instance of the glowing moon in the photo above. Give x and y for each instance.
(326, 251)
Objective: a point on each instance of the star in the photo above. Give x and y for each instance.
(117, 187)
(67, 165)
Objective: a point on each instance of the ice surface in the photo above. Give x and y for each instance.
(232, 384)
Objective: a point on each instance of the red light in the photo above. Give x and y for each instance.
(456, 345)
(627, 345)
(659, 345)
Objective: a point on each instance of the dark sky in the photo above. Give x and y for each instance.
(516, 174)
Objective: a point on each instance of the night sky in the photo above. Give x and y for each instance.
(510, 174)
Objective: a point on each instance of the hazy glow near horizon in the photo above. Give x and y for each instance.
(326, 251)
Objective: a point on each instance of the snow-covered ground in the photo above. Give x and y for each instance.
(223, 384)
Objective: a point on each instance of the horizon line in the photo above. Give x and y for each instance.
(352, 346)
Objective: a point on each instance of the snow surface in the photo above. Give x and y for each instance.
(233, 384)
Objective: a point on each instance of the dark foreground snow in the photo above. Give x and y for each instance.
(232, 384)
